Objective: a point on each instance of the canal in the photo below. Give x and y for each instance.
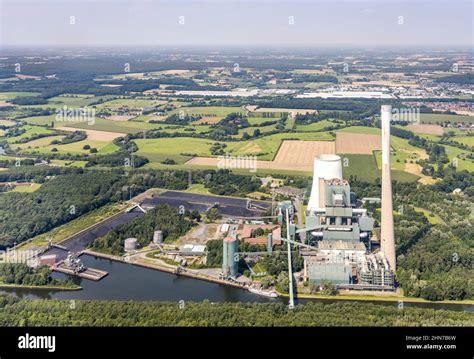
(129, 282)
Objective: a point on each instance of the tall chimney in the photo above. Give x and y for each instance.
(387, 241)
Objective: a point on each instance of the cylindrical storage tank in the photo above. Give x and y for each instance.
(326, 167)
(270, 243)
(130, 244)
(158, 237)
(230, 256)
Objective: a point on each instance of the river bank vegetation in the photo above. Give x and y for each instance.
(24, 312)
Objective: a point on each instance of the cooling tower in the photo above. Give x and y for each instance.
(387, 240)
(326, 167)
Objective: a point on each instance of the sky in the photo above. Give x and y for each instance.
(443, 23)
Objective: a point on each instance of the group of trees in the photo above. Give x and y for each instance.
(26, 312)
(59, 200)
(22, 274)
(226, 183)
(163, 217)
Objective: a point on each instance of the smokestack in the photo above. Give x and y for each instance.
(387, 241)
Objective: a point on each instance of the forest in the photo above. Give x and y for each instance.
(25, 312)
(57, 201)
(21, 274)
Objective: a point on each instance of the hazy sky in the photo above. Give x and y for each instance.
(236, 22)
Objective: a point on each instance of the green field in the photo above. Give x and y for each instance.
(267, 147)
(456, 153)
(430, 216)
(179, 149)
(39, 120)
(317, 126)
(129, 102)
(218, 111)
(7, 123)
(365, 168)
(103, 147)
(465, 140)
(113, 126)
(40, 142)
(29, 132)
(437, 118)
(5, 96)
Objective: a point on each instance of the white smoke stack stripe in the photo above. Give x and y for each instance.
(326, 167)
(387, 242)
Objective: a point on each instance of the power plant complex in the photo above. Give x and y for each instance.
(343, 233)
(338, 242)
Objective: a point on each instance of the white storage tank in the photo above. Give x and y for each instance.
(130, 244)
(158, 237)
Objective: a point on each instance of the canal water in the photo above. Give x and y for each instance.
(129, 282)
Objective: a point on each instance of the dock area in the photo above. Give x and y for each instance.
(89, 273)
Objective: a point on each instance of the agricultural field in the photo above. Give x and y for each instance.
(95, 135)
(208, 111)
(427, 118)
(129, 102)
(29, 132)
(292, 156)
(113, 126)
(179, 149)
(317, 126)
(365, 168)
(5, 96)
(457, 155)
(103, 148)
(38, 143)
(435, 130)
(39, 120)
(465, 140)
(357, 143)
(7, 123)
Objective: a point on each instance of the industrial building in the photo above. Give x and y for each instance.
(342, 232)
(230, 256)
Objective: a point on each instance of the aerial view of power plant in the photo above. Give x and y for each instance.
(185, 170)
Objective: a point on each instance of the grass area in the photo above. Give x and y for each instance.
(430, 216)
(198, 188)
(29, 132)
(103, 147)
(65, 286)
(365, 168)
(458, 154)
(27, 189)
(5, 96)
(361, 129)
(40, 142)
(266, 147)
(437, 118)
(179, 149)
(39, 120)
(397, 159)
(465, 140)
(129, 102)
(7, 123)
(66, 230)
(218, 111)
(250, 130)
(317, 126)
(113, 126)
